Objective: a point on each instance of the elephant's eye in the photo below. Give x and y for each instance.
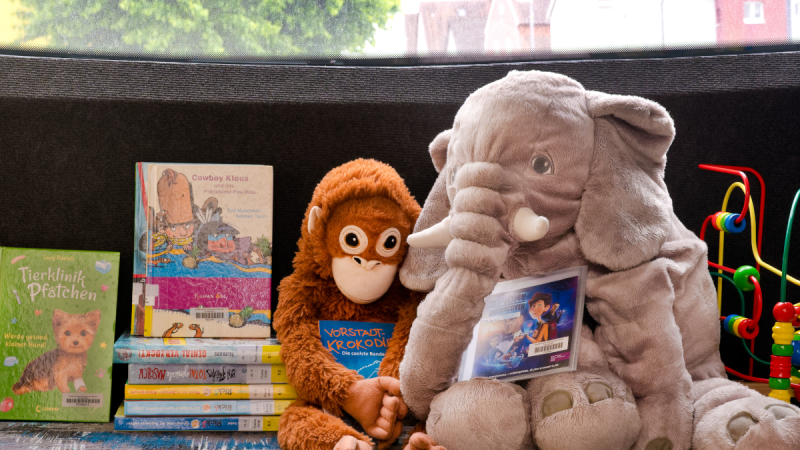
(387, 242)
(542, 165)
(353, 240)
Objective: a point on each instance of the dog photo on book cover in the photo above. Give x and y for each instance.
(74, 334)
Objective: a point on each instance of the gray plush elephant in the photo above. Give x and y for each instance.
(538, 174)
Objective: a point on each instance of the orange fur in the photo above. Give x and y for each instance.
(372, 196)
(74, 334)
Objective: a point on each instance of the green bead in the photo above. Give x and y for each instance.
(795, 372)
(782, 350)
(779, 383)
(796, 336)
(741, 278)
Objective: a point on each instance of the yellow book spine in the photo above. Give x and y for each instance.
(213, 391)
(270, 354)
(148, 320)
(271, 423)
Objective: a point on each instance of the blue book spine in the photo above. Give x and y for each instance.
(247, 423)
(205, 407)
(138, 350)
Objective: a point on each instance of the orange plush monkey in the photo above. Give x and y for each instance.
(353, 241)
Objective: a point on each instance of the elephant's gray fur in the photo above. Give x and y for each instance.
(648, 286)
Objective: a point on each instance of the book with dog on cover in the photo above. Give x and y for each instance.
(203, 250)
(530, 327)
(194, 423)
(206, 407)
(141, 350)
(211, 391)
(57, 312)
(206, 373)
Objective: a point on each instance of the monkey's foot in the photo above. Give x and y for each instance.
(351, 443)
(421, 441)
(583, 410)
(730, 416)
(480, 414)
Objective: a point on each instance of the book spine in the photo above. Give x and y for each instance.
(213, 391)
(206, 373)
(206, 407)
(200, 423)
(179, 353)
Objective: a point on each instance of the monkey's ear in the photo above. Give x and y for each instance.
(93, 317)
(58, 317)
(313, 217)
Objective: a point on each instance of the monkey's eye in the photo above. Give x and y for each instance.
(83, 332)
(187, 226)
(68, 333)
(172, 228)
(353, 240)
(387, 243)
(542, 165)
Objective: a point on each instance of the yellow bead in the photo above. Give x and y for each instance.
(781, 394)
(794, 380)
(783, 333)
(735, 326)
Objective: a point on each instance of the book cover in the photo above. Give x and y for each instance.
(206, 373)
(210, 391)
(359, 346)
(530, 327)
(206, 407)
(57, 312)
(203, 250)
(142, 350)
(199, 423)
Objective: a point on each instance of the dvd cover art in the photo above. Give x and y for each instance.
(529, 327)
(203, 259)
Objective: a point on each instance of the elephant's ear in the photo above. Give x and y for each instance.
(626, 211)
(423, 266)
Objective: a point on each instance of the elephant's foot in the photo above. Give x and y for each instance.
(480, 414)
(421, 441)
(583, 410)
(729, 416)
(666, 421)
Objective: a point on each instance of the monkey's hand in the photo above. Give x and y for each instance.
(376, 405)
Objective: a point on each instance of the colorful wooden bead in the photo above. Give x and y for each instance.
(748, 329)
(779, 383)
(741, 278)
(781, 394)
(730, 226)
(780, 366)
(782, 350)
(784, 312)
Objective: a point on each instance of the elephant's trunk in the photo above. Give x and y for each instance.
(482, 228)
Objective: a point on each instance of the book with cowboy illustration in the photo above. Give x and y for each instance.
(57, 311)
(203, 250)
(194, 423)
(530, 327)
(212, 391)
(206, 407)
(142, 350)
(206, 373)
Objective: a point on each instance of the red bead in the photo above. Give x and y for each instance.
(780, 366)
(784, 312)
(796, 321)
(748, 329)
(714, 220)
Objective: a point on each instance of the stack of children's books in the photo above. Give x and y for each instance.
(200, 315)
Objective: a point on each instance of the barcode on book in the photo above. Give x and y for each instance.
(220, 314)
(225, 354)
(543, 348)
(81, 400)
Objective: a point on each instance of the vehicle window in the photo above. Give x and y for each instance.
(267, 30)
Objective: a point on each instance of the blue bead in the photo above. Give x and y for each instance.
(796, 354)
(730, 225)
(728, 321)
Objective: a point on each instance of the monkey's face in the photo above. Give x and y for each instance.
(366, 238)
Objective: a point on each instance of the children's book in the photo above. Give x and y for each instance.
(206, 373)
(141, 350)
(196, 423)
(203, 250)
(206, 407)
(359, 346)
(210, 391)
(530, 327)
(57, 312)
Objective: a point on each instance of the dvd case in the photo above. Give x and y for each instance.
(142, 350)
(530, 327)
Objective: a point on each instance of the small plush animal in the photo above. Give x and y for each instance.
(74, 334)
(173, 329)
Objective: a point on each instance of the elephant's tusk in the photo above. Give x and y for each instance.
(435, 236)
(529, 226)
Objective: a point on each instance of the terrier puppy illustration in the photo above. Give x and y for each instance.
(74, 334)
